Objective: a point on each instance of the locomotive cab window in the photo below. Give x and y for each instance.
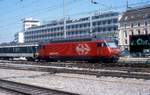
(112, 44)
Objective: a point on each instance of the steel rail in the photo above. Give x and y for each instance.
(27, 89)
(126, 73)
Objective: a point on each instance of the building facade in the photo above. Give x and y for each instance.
(101, 24)
(27, 23)
(135, 21)
(30, 22)
(19, 37)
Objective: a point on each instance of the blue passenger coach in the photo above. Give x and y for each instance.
(17, 51)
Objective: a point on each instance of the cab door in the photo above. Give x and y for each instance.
(102, 49)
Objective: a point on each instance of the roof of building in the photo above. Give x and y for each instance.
(29, 20)
(136, 14)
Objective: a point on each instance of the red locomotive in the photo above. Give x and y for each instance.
(93, 51)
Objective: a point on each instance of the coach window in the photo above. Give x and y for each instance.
(17, 49)
(30, 49)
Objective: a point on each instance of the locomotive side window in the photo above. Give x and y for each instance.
(44, 47)
(101, 44)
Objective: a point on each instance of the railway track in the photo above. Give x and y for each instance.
(123, 65)
(25, 89)
(139, 73)
(8, 92)
(125, 62)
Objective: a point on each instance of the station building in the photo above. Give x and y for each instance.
(99, 24)
(135, 21)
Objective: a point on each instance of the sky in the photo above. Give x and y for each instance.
(12, 11)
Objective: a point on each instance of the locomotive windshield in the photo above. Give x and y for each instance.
(112, 44)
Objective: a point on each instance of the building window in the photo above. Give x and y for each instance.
(145, 23)
(80, 25)
(104, 22)
(139, 24)
(115, 20)
(139, 32)
(126, 41)
(109, 29)
(99, 23)
(146, 32)
(85, 25)
(104, 29)
(125, 25)
(131, 24)
(109, 21)
(125, 32)
(115, 28)
(132, 32)
(94, 23)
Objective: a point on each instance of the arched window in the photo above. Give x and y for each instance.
(139, 32)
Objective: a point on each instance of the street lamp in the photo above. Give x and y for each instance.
(91, 25)
(64, 16)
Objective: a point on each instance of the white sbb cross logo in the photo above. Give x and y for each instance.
(82, 49)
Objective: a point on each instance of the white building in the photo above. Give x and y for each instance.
(135, 21)
(100, 24)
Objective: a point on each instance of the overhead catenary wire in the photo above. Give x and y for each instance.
(35, 13)
(55, 6)
(21, 7)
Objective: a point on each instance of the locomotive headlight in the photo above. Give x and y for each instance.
(36, 54)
